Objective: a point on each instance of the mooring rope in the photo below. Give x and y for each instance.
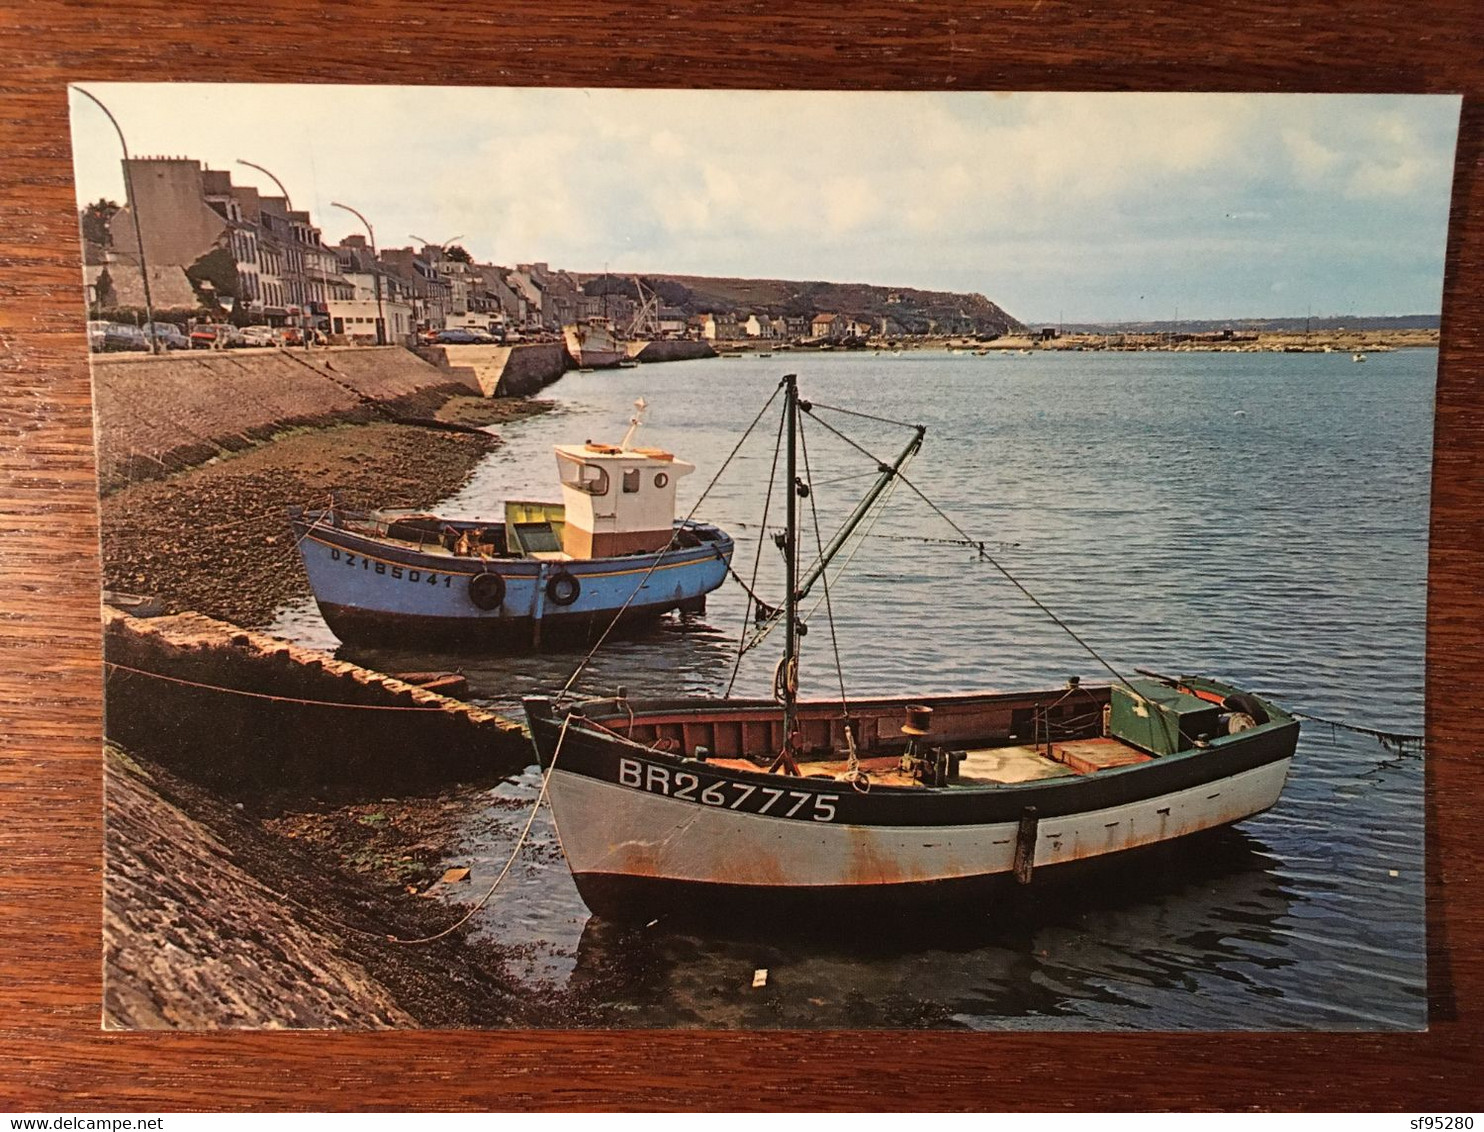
(509, 862)
(1407, 745)
(266, 696)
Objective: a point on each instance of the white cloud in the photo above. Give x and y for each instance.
(1312, 160)
(1004, 191)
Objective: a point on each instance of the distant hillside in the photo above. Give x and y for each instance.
(911, 310)
(1265, 325)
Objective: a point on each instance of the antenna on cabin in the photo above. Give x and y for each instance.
(634, 422)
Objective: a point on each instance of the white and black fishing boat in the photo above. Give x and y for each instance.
(735, 807)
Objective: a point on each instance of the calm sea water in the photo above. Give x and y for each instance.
(1261, 518)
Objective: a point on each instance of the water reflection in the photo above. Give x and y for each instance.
(1067, 953)
(683, 654)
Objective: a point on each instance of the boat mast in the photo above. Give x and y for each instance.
(787, 683)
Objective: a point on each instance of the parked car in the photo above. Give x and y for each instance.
(123, 336)
(204, 336)
(460, 336)
(96, 332)
(259, 336)
(289, 336)
(167, 335)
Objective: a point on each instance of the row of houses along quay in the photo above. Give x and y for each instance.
(188, 244)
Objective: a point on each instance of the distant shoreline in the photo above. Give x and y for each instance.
(1282, 342)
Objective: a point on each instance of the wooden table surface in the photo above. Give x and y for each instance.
(55, 1058)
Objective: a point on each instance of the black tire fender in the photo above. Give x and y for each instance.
(487, 590)
(563, 589)
(1241, 701)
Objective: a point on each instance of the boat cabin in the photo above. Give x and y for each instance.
(617, 500)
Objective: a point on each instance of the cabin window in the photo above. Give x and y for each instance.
(584, 477)
(631, 481)
(660, 479)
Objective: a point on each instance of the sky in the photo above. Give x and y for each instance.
(1058, 207)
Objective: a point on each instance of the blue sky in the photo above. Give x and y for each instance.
(1076, 207)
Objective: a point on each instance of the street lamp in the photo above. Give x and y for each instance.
(272, 178)
(375, 272)
(443, 247)
(324, 285)
(149, 308)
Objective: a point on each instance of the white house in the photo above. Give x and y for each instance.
(357, 320)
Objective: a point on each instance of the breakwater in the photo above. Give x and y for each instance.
(674, 351)
(238, 710)
(157, 415)
(502, 371)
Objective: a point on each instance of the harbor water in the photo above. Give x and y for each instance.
(1261, 518)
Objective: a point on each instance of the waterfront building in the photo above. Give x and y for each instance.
(419, 278)
(503, 298)
(356, 320)
(526, 286)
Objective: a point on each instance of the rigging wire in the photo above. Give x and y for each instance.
(984, 554)
(864, 416)
(877, 511)
(1406, 745)
(757, 562)
(824, 576)
(846, 479)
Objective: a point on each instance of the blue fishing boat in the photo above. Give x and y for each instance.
(611, 551)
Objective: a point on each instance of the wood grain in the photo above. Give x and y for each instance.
(55, 1057)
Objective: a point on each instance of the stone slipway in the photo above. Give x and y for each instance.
(503, 371)
(157, 415)
(212, 921)
(238, 710)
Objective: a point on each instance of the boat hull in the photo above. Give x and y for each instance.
(648, 834)
(594, 347)
(706, 861)
(371, 592)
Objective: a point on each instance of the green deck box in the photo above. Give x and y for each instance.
(1159, 719)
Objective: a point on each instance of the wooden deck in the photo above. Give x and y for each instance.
(984, 766)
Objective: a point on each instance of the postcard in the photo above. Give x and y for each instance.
(748, 560)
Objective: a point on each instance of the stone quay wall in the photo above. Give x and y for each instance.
(158, 414)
